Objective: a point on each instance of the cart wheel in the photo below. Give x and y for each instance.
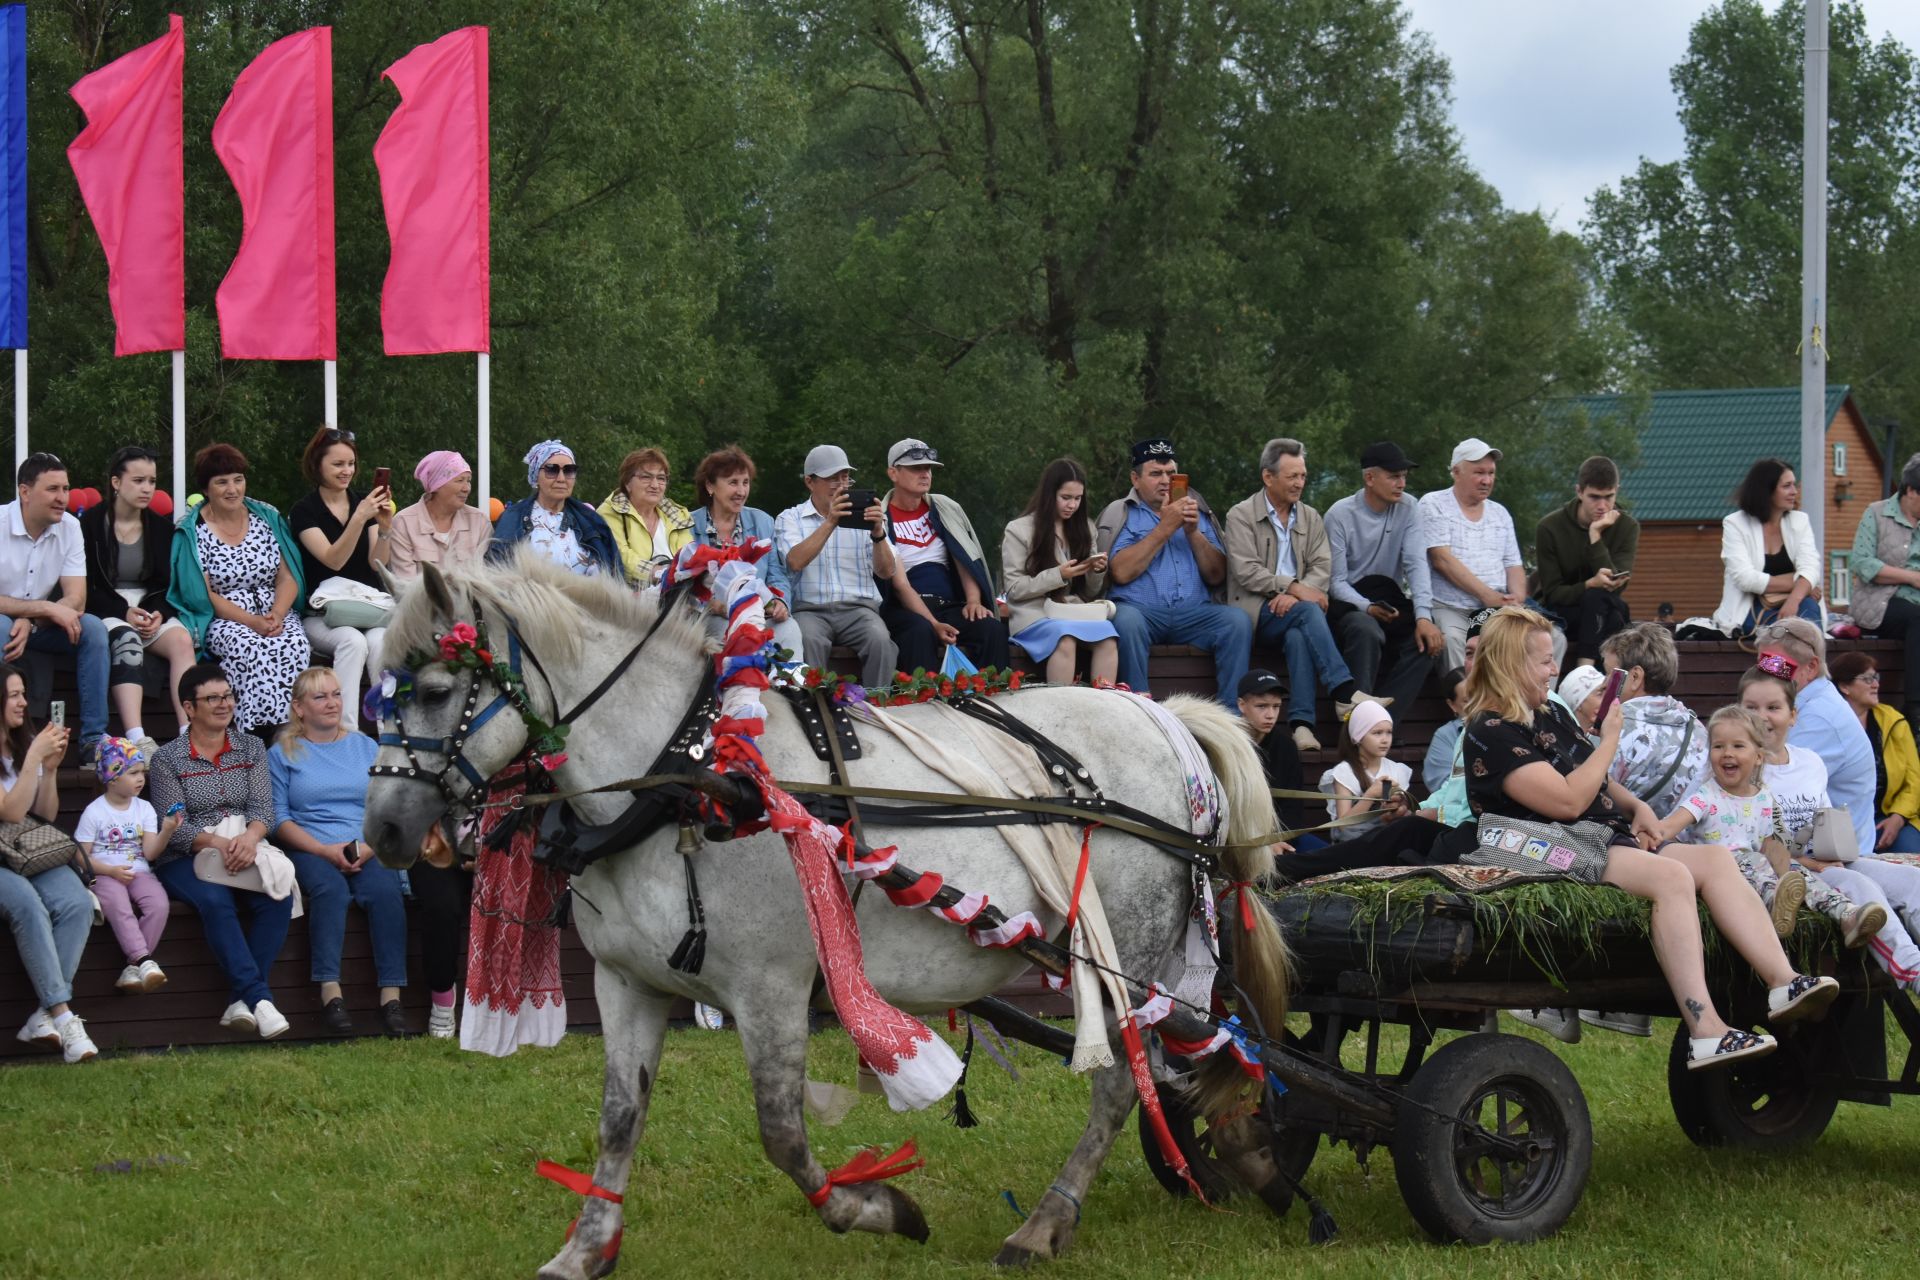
(1185, 1124)
(1455, 1183)
(1762, 1104)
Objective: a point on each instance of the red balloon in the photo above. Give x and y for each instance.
(162, 505)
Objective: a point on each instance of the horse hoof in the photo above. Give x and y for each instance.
(1015, 1255)
(908, 1221)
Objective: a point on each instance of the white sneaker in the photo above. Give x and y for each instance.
(129, 979)
(238, 1016)
(271, 1021)
(440, 1024)
(1303, 739)
(1562, 1024)
(1344, 710)
(39, 1030)
(712, 1017)
(75, 1044)
(152, 976)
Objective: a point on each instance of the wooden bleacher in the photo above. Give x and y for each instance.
(186, 1011)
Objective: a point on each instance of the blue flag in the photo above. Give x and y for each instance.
(13, 175)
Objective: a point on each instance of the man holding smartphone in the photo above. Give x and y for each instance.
(834, 554)
(1586, 551)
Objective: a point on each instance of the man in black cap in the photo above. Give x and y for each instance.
(1166, 568)
(1382, 610)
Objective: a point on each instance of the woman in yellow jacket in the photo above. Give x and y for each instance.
(648, 526)
(1896, 760)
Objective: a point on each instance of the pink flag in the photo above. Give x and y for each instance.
(432, 158)
(128, 162)
(275, 136)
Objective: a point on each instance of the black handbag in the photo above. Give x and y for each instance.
(31, 847)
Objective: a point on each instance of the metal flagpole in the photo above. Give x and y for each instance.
(179, 434)
(1813, 281)
(330, 375)
(19, 408)
(483, 468)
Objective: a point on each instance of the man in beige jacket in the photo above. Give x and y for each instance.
(1279, 570)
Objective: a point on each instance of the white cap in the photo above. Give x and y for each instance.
(1578, 685)
(827, 460)
(1472, 449)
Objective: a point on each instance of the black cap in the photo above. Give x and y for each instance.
(1479, 620)
(1158, 449)
(1386, 455)
(1258, 681)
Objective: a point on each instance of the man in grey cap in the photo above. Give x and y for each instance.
(1382, 586)
(835, 597)
(1472, 547)
(942, 589)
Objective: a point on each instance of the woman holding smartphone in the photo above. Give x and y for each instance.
(342, 533)
(1055, 578)
(129, 569)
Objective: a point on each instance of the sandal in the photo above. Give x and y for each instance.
(1805, 997)
(1706, 1051)
(1787, 897)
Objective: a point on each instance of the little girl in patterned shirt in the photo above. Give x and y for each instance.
(119, 832)
(1732, 807)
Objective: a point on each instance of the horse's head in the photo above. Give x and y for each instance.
(449, 724)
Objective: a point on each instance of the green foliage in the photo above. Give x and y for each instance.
(1700, 258)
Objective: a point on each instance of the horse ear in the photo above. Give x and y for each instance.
(438, 592)
(388, 583)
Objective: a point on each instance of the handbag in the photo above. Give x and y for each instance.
(31, 847)
(342, 602)
(1833, 839)
(1576, 850)
(1079, 610)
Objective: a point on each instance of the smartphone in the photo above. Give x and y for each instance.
(1177, 491)
(57, 714)
(1610, 696)
(383, 477)
(856, 517)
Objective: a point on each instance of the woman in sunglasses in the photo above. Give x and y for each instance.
(1896, 801)
(552, 521)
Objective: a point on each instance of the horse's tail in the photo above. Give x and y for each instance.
(1261, 965)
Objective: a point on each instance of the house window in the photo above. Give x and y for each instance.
(1840, 458)
(1839, 580)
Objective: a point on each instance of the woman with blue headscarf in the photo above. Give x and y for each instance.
(552, 521)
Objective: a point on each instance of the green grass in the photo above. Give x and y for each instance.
(414, 1159)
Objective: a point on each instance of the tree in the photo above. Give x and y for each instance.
(1700, 258)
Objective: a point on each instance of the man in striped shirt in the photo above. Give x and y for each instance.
(835, 597)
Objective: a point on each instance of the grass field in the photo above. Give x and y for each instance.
(413, 1159)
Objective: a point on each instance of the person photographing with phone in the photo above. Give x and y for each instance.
(1166, 571)
(1586, 551)
(342, 532)
(837, 553)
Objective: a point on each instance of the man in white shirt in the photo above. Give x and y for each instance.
(43, 588)
(1472, 548)
(835, 597)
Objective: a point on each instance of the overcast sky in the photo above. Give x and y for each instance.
(1554, 98)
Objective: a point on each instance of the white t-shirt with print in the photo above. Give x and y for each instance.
(116, 833)
(1741, 823)
(915, 542)
(1799, 787)
(1401, 776)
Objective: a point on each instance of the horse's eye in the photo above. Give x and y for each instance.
(435, 695)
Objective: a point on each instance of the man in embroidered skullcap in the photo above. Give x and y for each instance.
(1166, 572)
(554, 522)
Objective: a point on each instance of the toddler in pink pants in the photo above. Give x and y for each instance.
(120, 832)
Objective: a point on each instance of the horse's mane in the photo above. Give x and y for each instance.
(545, 602)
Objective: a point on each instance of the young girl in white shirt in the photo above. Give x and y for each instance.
(1798, 780)
(1366, 783)
(119, 832)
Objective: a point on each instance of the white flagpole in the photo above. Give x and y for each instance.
(482, 468)
(330, 372)
(1813, 276)
(179, 434)
(19, 408)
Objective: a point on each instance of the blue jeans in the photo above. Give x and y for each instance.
(1757, 618)
(90, 668)
(1907, 841)
(1313, 659)
(50, 916)
(1221, 629)
(245, 955)
(328, 890)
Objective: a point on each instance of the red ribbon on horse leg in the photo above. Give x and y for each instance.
(868, 1166)
(582, 1185)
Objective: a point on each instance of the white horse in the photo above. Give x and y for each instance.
(760, 961)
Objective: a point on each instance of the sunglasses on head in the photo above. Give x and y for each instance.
(560, 469)
(338, 435)
(1777, 664)
(924, 453)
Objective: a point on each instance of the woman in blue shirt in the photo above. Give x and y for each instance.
(319, 770)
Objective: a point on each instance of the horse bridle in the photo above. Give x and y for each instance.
(453, 746)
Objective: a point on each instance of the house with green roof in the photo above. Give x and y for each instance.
(1695, 447)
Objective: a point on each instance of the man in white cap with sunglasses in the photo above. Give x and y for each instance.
(942, 589)
(834, 561)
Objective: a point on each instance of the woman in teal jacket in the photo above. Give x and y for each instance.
(237, 587)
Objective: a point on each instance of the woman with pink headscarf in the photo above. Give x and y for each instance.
(440, 529)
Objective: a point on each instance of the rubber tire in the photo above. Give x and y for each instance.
(1715, 1107)
(1184, 1123)
(1425, 1151)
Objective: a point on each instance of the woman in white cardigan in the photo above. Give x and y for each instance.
(1772, 565)
(1047, 555)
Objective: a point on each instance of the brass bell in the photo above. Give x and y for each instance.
(689, 842)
